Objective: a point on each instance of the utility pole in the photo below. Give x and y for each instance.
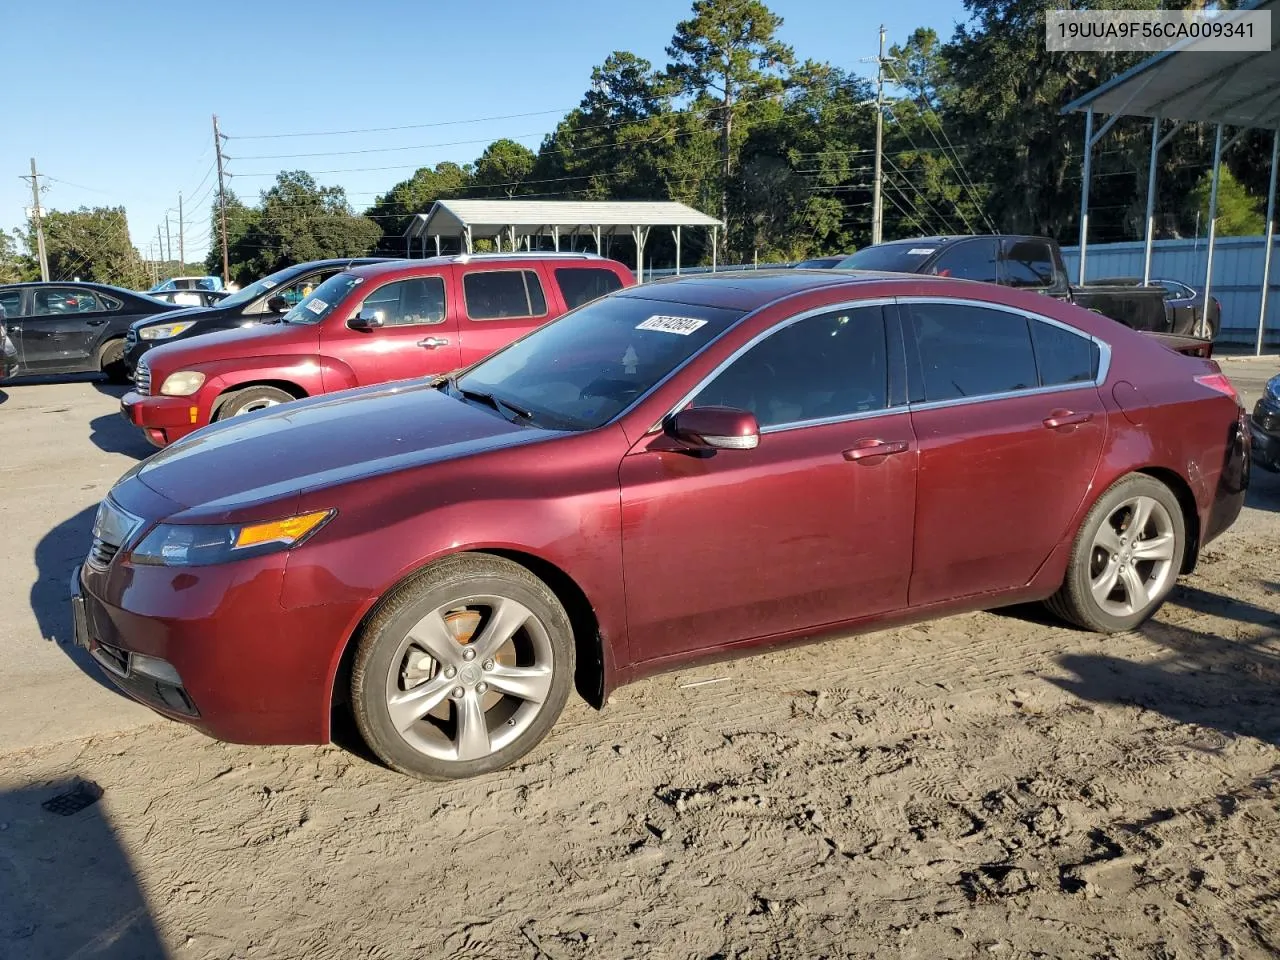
(182, 249)
(222, 202)
(37, 214)
(168, 239)
(877, 201)
(160, 244)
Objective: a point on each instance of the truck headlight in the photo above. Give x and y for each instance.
(182, 384)
(198, 545)
(163, 331)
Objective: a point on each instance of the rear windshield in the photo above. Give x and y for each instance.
(895, 257)
(323, 299)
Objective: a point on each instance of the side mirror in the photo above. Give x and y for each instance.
(367, 319)
(278, 304)
(715, 428)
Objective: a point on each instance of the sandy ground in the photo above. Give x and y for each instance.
(986, 785)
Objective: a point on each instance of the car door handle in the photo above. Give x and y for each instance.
(873, 447)
(95, 323)
(1066, 418)
(432, 342)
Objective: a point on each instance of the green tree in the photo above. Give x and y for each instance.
(1240, 213)
(502, 170)
(90, 244)
(394, 209)
(242, 221)
(727, 55)
(15, 267)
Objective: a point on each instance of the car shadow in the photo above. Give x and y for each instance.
(66, 885)
(57, 555)
(1222, 683)
(111, 433)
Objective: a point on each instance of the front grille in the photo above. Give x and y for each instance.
(142, 377)
(131, 336)
(101, 552)
(111, 528)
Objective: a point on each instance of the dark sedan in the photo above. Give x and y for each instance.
(74, 327)
(264, 301)
(1265, 426)
(687, 469)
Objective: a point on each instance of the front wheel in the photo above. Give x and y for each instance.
(251, 400)
(1125, 559)
(462, 670)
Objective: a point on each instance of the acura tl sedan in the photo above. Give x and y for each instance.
(682, 470)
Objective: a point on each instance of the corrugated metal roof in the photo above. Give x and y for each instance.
(1240, 89)
(488, 218)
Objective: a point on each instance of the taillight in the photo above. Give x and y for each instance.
(1219, 382)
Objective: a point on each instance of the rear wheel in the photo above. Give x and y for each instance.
(1125, 559)
(463, 670)
(250, 400)
(111, 361)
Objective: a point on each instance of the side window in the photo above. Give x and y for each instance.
(1028, 263)
(299, 291)
(832, 365)
(409, 302)
(61, 301)
(499, 294)
(971, 351)
(584, 284)
(1062, 356)
(11, 300)
(108, 303)
(969, 260)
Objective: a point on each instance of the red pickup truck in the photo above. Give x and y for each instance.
(370, 324)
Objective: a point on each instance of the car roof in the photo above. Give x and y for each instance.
(751, 289)
(427, 264)
(87, 284)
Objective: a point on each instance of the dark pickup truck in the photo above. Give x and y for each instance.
(1034, 263)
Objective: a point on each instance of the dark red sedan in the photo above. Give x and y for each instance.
(680, 470)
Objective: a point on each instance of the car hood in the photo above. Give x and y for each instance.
(259, 340)
(261, 458)
(169, 316)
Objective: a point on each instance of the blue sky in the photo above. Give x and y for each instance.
(116, 99)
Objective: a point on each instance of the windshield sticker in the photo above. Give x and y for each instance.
(681, 325)
(316, 306)
(268, 283)
(920, 251)
(630, 359)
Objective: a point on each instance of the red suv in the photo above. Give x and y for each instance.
(366, 325)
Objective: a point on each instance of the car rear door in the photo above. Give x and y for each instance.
(418, 336)
(499, 304)
(813, 526)
(62, 329)
(1010, 428)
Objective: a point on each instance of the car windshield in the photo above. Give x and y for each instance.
(894, 257)
(582, 370)
(256, 289)
(323, 299)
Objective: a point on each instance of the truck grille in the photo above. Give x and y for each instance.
(142, 377)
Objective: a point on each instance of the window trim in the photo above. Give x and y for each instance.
(892, 408)
(444, 286)
(1104, 354)
(546, 305)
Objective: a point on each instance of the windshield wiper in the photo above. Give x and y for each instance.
(499, 404)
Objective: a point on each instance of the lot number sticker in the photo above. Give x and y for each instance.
(920, 251)
(681, 325)
(316, 306)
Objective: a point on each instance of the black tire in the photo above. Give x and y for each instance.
(1075, 601)
(250, 399)
(379, 652)
(111, 361)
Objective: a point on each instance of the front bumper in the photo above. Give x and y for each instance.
(250, 671)
(1264, 428)
(162, 419)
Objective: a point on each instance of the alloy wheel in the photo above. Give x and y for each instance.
(1131, 560)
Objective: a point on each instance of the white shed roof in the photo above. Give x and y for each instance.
(488, 218)
(1236, 88)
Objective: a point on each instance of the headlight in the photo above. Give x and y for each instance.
(163, 331)
(198, 545)
(182, 384)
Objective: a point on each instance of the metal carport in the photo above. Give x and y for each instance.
(517, 220)
(1238, 89)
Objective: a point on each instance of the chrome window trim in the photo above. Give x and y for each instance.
(765, 334)
(1104, 354)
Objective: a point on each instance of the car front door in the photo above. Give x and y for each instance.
(1010, 429)
(417, 337)
(810, 527)
(62, 329)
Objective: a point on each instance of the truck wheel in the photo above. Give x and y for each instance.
(111, 361)
(463, 669)
(250, 400)
(1125, 558)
